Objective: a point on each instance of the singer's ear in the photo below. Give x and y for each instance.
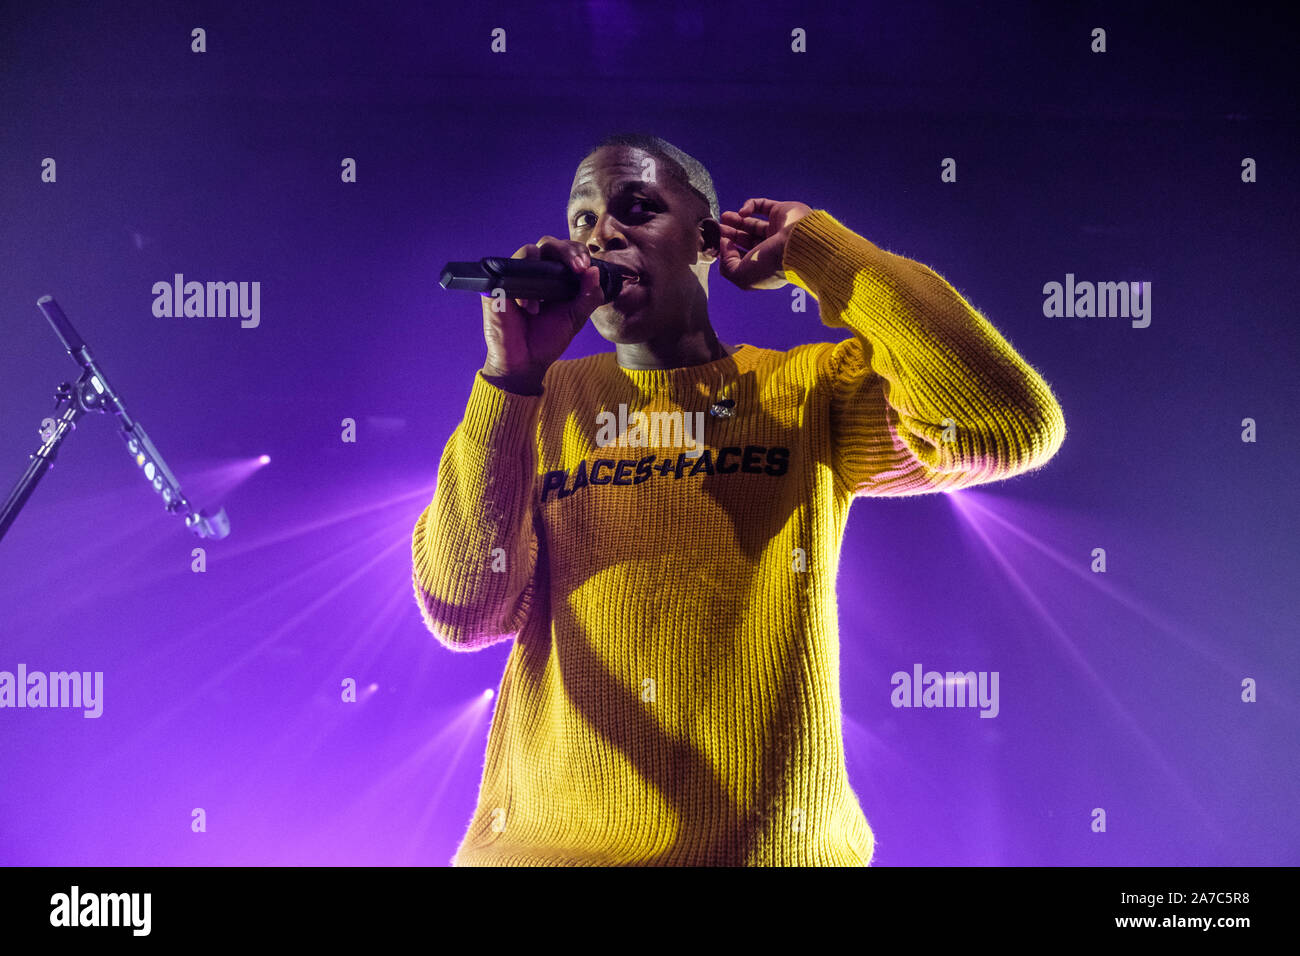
(710, 239)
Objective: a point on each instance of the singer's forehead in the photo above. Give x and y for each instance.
(619, 171)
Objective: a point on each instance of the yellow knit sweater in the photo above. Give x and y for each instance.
(672, 695)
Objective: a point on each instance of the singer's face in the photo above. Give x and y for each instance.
(622, 214)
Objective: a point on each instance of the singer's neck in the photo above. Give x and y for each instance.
(681, 344)
(697, 347)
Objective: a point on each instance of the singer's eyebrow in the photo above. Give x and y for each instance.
(628, 185)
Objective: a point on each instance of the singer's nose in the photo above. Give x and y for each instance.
(605, 236)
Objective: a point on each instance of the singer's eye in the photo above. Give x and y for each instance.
(632, 208)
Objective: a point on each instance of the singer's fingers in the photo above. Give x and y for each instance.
(529, 250)
(731, 257)
(735, 265)
(590, 297)
(761, 206)
(748, 231)
(737, 236)
(573, 254)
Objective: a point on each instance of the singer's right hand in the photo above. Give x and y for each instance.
(526, 336)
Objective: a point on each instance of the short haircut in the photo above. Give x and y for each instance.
(687, 170)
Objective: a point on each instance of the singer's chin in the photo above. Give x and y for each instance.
(617, 323)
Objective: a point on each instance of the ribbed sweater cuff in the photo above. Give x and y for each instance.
(495, 417)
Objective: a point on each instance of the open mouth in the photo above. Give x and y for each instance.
(625, 293)
(626, 271)
(635, 279)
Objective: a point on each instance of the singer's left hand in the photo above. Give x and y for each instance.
(753, 249)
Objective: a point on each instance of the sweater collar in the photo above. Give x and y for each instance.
(728, 367)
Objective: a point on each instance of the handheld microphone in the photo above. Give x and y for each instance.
(541, 279)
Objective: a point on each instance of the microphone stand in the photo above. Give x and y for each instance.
(92, 393)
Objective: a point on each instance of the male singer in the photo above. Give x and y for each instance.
(672, 694)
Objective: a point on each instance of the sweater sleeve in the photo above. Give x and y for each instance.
(475, 547)
(926, 396)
